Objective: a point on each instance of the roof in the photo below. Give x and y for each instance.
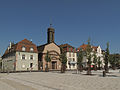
(18, 47)
(67, 48)
(41, 47)
(66, 45)
(84, 46)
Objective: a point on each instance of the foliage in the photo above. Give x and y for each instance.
(114, 60)
(95, 58)
(63, 60)
(99, 63)
(107, 57)
(80, 60)
(47, 59)
(88, 52)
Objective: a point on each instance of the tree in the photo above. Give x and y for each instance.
(99, 63)
(107, 58)
(114, 60)
(63, 60)
(88, 52)
(95, 61)
(48, 59)
(80, 60)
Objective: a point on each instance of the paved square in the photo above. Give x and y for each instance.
(57, 81)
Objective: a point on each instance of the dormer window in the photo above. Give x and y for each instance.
(23, 48)
(31, 49)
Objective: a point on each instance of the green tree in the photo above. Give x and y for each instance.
(107, 58)
(88, 52)
(47, 59)
(80, 60)
(99, 62)
(114, 60)
(63, 60)
(95, 60)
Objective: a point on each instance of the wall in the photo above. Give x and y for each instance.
(23, 65)
(70, 58)
(8, 62)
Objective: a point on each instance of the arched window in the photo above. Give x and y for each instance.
(23, 48)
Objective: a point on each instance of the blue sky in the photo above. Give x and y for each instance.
(74, 22)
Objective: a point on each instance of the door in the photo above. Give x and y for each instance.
(54, 65)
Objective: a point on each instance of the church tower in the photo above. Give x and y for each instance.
(50, 34)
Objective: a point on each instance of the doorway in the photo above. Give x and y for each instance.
(54, 65)
(31, 65)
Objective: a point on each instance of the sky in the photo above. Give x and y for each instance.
(74, 22)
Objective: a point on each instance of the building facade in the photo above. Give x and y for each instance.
(22, 56)
(54, 52)
(95, 49)
(0, 63)
(71, 56)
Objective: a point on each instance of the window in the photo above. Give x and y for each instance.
(73, 59)
(73, 54)
(31, 57)
(23, 56)
(23, 48)
(69, 54)
(31, 49)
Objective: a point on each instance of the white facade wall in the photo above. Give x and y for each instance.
(24, 64)
(71, 60)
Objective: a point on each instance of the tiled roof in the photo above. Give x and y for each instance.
(18, 47)
(84, 46)
(66, 45)
(68, 48)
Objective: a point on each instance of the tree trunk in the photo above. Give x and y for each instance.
(89, 70)
(99, 67)
(63, 68)
(113, 67)
(81, 69)
(95, 67)
(106, 68)
(47, 69)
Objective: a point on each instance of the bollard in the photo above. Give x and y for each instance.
(104, 74)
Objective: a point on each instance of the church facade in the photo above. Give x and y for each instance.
(54, 52)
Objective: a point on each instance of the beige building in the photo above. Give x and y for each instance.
(71, 56)
(22, 56)
(54, 52)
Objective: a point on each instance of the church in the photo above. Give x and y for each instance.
(54, 52)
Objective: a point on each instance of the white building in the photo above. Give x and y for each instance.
(22, 56)
(99, 54)
(71, 56)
